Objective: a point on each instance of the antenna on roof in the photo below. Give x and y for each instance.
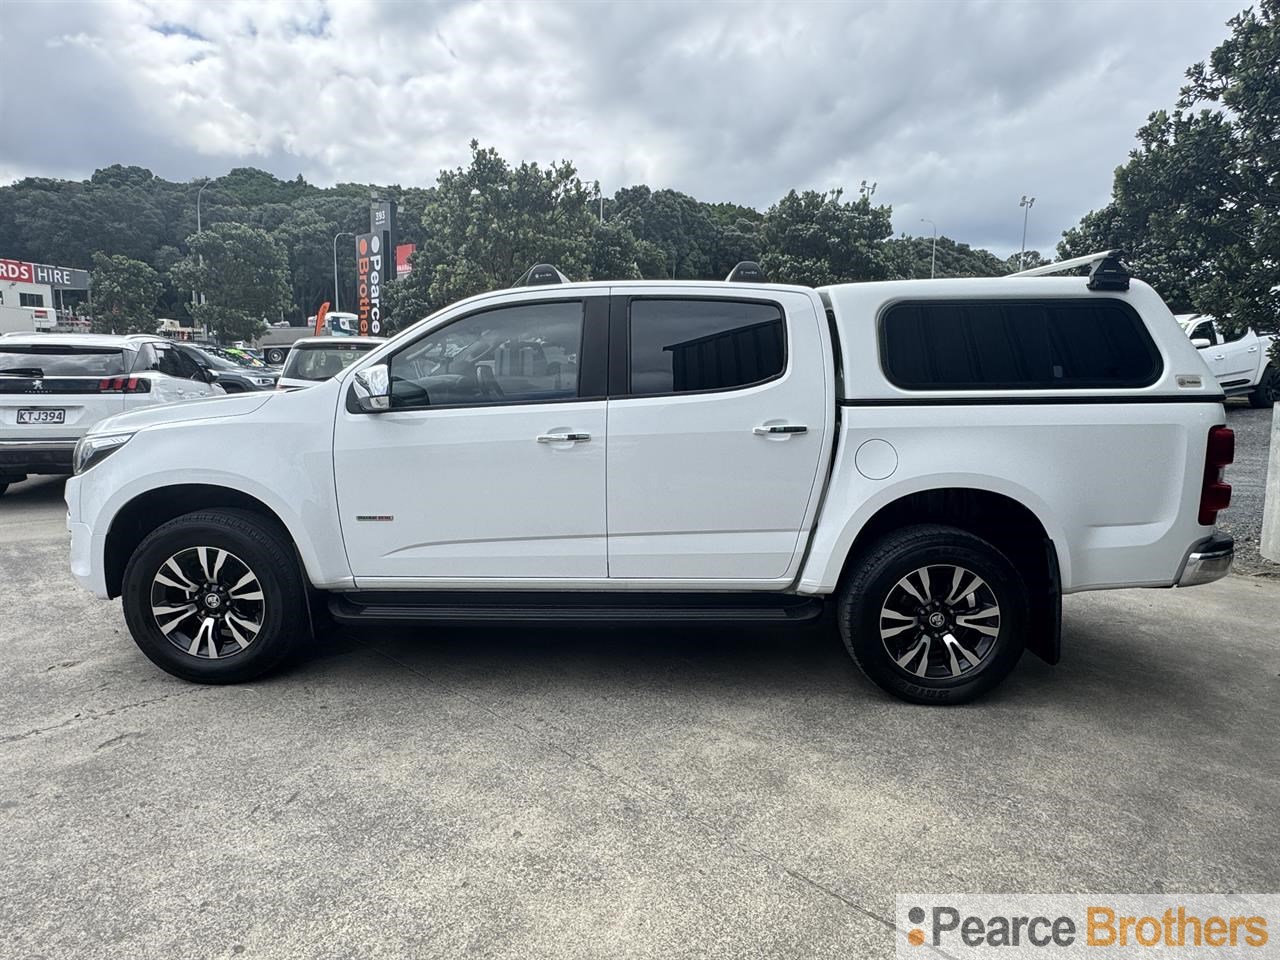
(748, 271)
(540, 274)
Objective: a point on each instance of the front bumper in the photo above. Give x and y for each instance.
(24, 457)
(1207, 560)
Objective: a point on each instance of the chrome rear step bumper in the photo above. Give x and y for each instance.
(1207, 560)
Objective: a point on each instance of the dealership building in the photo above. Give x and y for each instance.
(36, 288)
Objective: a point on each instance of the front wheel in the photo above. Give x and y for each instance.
(215, 596)
(1267, 392)
(934, 614)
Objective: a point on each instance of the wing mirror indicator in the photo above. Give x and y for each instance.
(372, 387)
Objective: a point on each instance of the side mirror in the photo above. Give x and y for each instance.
(372, 389)
(211, 374)
(1201, 342)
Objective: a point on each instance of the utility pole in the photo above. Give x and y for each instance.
(336, 308)
(200, 256)
(1025, 203)
(933, 256)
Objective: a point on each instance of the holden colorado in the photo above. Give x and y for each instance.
(939, 461)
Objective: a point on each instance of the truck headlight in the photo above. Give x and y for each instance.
(92, 450)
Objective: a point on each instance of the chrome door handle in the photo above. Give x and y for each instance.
(777, 428)
(564, 437)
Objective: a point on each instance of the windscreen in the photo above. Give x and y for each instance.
(322, 361)
(56, 360)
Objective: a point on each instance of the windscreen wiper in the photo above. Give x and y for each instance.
(22, 372)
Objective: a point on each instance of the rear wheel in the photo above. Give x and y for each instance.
(215, 596)
(934, 614)
(1267, 392)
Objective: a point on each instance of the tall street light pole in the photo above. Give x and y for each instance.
(336, 237)
(1025, 203)
(933, 257)
(200, 256)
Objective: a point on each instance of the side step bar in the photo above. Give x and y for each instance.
(384, 607)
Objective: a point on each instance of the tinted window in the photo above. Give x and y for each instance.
(322, 361)
(1017, 345)
(1205, 329)
(59, 361)
(680, 346)
(31, 299)
(519, 353)
(165, 359)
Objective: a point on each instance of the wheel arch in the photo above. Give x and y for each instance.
(1020, 531)
(150, 509)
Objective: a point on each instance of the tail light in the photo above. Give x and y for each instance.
(124, 385)
(1215, 495)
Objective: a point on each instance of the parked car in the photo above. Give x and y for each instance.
(314, 359)
(938, 460)
(236, 377)
(1244, 366)
(55, 387)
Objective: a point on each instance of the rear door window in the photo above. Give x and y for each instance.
(1000, 344)
(690, 346)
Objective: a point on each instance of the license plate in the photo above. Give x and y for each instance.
(44, 415)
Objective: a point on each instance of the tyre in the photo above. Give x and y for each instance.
(274, 356)
(216, 596)
(1267, 391)
(4, 485)
(934, 614)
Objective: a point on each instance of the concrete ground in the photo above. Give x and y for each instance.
(601, 793)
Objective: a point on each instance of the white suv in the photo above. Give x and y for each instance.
(938, 460)
(55, 387)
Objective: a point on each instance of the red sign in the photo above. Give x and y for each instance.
(17, 270)
(403, 252)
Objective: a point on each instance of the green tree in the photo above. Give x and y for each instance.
(487, 223)
(124, 295)
(240, 273)
(1197, 205)
(816, 238)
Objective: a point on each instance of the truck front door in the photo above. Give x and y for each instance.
(489, 464)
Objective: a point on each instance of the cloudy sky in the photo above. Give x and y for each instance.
(954, 109)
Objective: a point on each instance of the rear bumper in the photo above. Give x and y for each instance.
(1207, 560)
(36, 456)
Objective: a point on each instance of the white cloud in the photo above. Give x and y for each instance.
(954, 109)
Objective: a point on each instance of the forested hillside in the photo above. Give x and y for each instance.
(476, 228)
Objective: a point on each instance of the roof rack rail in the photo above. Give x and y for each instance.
(1108, 270)
(748, 271)
(539, 274)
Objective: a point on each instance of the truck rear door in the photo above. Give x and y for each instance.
(719, 420)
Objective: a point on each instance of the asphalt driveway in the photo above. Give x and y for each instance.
(598, 793)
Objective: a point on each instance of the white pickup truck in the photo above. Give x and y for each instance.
(938, 461)
(1245, 366)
